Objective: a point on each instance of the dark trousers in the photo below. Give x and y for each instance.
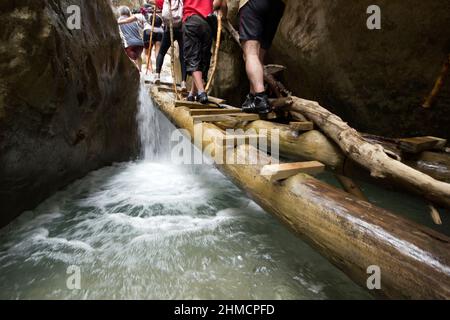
(198, 39)
(165, 45)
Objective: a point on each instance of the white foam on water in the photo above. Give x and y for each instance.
(154, 230)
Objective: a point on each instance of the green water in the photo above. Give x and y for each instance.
(151, 229)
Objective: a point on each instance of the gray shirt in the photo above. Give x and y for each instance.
(131, 34)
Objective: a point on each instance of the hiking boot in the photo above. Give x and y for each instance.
(191, 97)
(203, 98)
(248, 101)
(183, 87)
(262, 104)
(259, 104)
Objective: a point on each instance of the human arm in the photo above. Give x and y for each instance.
(128, 20)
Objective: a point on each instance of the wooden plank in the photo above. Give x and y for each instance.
(201, 112)
(193, 105)
(419, 144)
(226, 117)
(216, 100)
(301, 126)
(276, 172)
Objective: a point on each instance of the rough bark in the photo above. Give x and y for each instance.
(372, 156)
(352, 234)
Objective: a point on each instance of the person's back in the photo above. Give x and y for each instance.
(131, 33)
(132, 37)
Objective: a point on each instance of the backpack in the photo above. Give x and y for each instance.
(177, 12)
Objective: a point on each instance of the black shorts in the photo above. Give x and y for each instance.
(197, 38)
(259, 20)
(157, 37)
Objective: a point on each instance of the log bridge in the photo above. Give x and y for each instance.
(351, 233)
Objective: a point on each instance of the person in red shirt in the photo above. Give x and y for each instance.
(197, 37)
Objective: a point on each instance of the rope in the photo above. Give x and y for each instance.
(172, 50)
(149, 60)
(216, 51)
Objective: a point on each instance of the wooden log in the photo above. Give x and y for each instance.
(301, 126)
(372, 156)
(274, 69)
(350, 233)
(312, 145)
(351, 187)
(223, 117)
(297, 116)
(434, 164)
(277, 172)
(280, 102)
(201, 112)
(235, 139)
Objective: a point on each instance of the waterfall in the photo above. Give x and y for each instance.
(154, 129)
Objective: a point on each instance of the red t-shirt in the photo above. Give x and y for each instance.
(200, 7)
(159, 3)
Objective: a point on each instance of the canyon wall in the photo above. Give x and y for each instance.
(375, 79)
(68, 99)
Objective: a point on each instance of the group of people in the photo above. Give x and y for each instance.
(193, 24)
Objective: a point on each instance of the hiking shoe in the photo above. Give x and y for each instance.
(248, 101)
(259, 104)
(203, 98)
(191, 98)
(262, 104)
(183, 87)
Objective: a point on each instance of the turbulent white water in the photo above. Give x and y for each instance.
(154, 230)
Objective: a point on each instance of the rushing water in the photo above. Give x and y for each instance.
(154, 230)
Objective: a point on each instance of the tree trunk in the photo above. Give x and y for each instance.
(352, 234)
(372, 156)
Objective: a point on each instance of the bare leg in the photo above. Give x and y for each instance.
(157, 47)
(148, 53)
(262, 55)
(193, 90)
(253, 65)
(198, 81)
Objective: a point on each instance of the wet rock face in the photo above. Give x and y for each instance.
(67, 99)
(377, 80)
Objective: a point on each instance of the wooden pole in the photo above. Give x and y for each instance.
(352, 234)
(216, 52)
(438, 84)
(172, 51)
(149, 60)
